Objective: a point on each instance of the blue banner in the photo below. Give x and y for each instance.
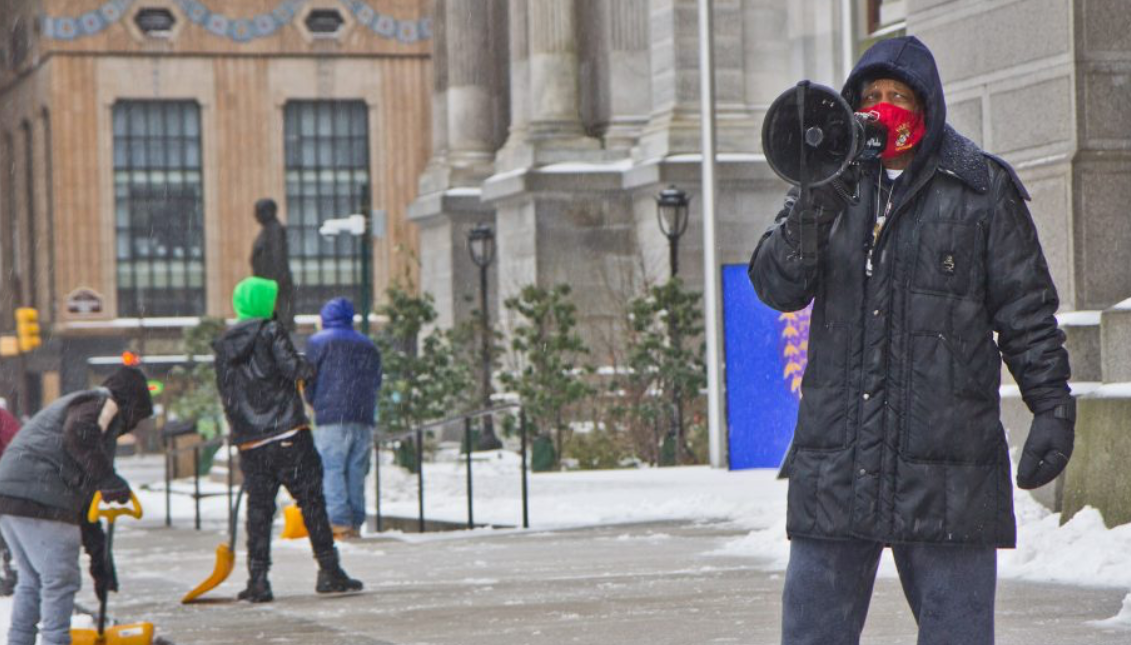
(766, 354)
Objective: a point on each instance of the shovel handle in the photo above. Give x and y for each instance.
(112, 513)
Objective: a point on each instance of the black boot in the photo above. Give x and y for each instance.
(258, 587)
(331, 578)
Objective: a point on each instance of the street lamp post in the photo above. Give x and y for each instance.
(366, 260)
(358, 225)
(481, 247)
(672, 213)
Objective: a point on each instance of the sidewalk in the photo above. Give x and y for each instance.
(654, 583)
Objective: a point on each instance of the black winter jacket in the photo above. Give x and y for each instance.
(898, 437)
(257, 370)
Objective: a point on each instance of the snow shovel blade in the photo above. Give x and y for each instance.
(132, 634)
(225, 562)
(293, 525)
(225, 557)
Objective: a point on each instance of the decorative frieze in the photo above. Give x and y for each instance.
(240, 30)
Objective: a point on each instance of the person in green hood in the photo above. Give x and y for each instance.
(259, 375)
(255, 298)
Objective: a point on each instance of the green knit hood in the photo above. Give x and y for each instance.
(255, 298)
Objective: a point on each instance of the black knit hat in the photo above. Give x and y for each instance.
(130, 390)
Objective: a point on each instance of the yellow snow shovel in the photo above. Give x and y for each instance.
(134, 633)
(225, 558)
(293, 525)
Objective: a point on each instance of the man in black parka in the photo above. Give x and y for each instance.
(898, 439)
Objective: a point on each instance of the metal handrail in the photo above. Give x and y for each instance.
(170, 455)
(449, 420)
(417, 433)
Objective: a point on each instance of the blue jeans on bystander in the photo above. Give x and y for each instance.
(345, 449)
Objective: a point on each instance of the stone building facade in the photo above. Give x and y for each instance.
(137, 135)
(558, 121)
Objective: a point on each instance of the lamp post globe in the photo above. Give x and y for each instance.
(481, 245)
(672, 206)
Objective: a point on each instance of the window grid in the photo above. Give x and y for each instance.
(327, 170)
(159, 213)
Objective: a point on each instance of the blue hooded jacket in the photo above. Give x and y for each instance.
(349, 369)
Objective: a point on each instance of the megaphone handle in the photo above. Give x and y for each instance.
(808, 246)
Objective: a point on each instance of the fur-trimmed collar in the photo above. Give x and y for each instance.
(962, 158)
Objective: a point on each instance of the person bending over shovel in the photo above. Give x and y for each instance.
(48, 476)
(258, 373)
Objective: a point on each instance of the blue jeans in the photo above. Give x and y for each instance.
(828, 586)
(47, 558)
(344, 448)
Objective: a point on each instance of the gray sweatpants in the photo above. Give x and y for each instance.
(828, 586)
(47, 558)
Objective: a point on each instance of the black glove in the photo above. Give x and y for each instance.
(114, 490)
(825, 204)
(1048, 447)
(103, 573)
(834, 196)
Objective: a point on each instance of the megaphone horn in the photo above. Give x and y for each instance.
(811, 130)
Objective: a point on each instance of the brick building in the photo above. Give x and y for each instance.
(136, 136)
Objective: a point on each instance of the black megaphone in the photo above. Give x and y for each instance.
(810, 135)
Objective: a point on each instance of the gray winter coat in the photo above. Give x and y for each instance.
(38, 467)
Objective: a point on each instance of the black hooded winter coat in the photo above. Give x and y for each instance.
(257, 373)
(898, 436)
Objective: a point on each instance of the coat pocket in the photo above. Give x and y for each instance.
(822, 419)
(938, 425)
(947, 254)
(819, 501)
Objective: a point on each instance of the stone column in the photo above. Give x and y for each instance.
(554, 98)
(512, 154)
(466, 108)
(435, 175)
(547, 97)
(615, 70)
(673, 127)
(469, 66)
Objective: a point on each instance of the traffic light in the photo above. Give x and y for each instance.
(27, 328)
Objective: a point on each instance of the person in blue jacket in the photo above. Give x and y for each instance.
(344, 397)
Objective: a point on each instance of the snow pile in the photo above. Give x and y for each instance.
(1082, 552)
(1120, 620)
(769, 544)
(581, 498)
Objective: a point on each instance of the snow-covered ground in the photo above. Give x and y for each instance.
(1082, 552)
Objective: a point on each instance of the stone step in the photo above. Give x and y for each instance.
(1115, 343)
(1097, 474)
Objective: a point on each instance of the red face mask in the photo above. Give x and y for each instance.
(905, 128)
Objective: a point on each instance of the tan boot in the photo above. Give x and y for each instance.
(344, 532)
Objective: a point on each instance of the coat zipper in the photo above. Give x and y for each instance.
(908, 198)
